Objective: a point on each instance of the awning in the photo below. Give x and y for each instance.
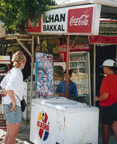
(108, 7)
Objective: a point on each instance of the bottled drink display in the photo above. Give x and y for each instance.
(79, 63)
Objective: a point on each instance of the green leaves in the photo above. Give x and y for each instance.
(14, 13)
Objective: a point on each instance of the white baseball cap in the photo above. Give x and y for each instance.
(108, 62)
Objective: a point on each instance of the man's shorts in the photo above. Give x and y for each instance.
(14, 116)
(108, 114)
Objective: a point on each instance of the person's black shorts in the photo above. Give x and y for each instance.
(108, 114)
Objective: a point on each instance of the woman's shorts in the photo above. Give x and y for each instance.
(108, 114)
(14, 116)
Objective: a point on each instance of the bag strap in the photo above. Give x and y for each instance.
(17, 97)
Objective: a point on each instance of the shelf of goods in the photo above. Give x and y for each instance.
(81, 80)
(3, 60)
(2, 121)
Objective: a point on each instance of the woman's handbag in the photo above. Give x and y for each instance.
(23, 103)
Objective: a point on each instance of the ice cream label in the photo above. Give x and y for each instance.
(44, 75)
(43, 125)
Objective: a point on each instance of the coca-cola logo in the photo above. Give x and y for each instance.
(83, 20)
(62, 48)
(32, 24)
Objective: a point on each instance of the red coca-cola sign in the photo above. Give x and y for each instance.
(32, 28)
(103, 39)
(80, 20)
(76, 47)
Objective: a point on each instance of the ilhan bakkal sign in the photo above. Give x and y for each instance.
(82, 20)
(55, 21)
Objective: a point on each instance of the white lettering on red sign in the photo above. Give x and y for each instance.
(43, 125)
(83, 20)
(77, 47)
(31, 24)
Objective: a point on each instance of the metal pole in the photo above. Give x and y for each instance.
(89, 77)
(32, 62)
(67, 65)
(116, 53)
(94, 75)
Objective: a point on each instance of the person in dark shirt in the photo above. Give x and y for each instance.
(72, 89)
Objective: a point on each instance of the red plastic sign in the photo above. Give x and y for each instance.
(80, 20)
(103, 39)
(32, 28)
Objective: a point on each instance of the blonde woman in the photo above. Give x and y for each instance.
(12, 85)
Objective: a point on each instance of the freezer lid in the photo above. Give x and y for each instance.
(56, 101)
(64, 104)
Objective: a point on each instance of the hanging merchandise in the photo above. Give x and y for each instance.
(55, 49)
(44, 75)
(44, 45)
(2, 122)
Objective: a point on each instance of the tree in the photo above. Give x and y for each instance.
(14, 13)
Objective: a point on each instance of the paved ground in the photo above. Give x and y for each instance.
(112, 138)
(23, 134)
(24, 131)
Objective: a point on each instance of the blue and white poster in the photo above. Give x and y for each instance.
(44, 75)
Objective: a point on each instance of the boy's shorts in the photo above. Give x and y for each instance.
(108, 114)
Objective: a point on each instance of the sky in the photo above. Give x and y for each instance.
(64, 1)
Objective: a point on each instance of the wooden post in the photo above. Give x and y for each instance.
(67, 65)
(32, 62)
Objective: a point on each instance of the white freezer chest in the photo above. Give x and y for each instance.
(62, 121)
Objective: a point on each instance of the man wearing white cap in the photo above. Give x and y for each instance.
(108, 63)
(108, 100)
